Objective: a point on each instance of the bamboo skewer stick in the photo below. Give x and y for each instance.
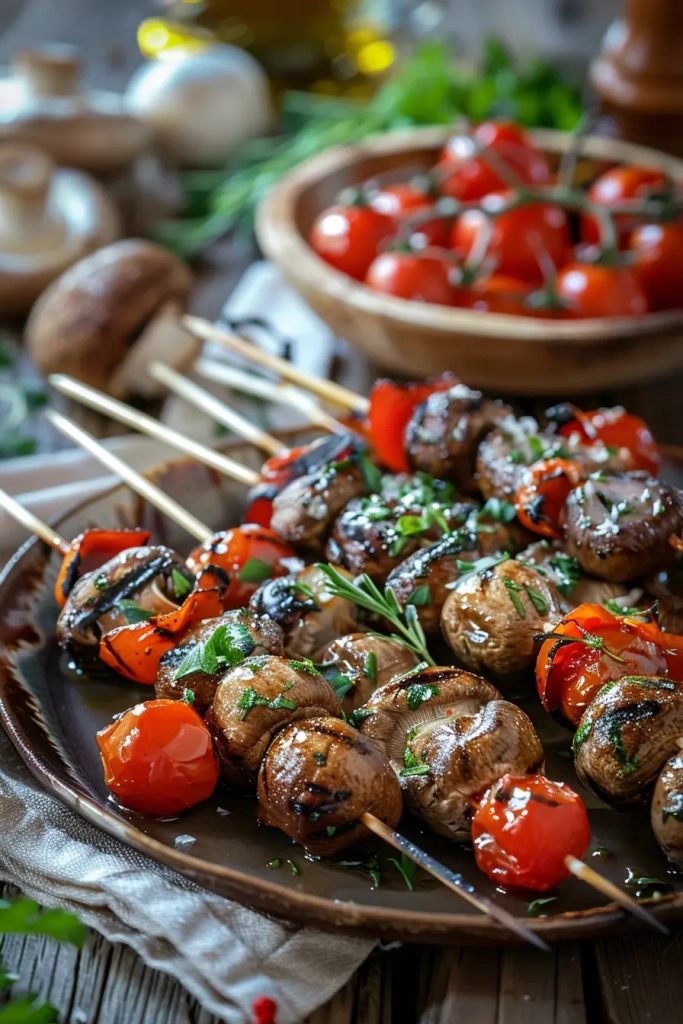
(613, 892)
(33, 524)
(262, 387)
(327, 390)
(452, 880)
(137, 420)
(138, 483)
(212, 406)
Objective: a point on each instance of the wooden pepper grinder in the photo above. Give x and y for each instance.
(639, 73)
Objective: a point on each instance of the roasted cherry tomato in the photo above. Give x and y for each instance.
(618, 185)
(414, 275)
(249, 554)
(658, 263)
(159, 758)
(349, 237)
(525, 827)
(89, 551)
(468, 175)
(616, 428)
(541, 498)
(391, 407)
(518, 239)
(135, 651)
(594, 289)
(591, 647)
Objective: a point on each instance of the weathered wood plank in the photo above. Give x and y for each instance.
(641, 979)
(458, 985)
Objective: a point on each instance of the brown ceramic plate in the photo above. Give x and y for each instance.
(52, 715)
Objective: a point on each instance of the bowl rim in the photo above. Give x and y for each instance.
(282, 241)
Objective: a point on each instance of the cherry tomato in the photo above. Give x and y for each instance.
(499, 293)
(592, 289)
(433, 233)
(409, 275)
(391, 407)
(616, 428)
(349, 237)
(525, 827)
(541, 498)
(519, 238)
(599, 648)
(472, 176)
(90, 550)
(159, 758)
(615, 186)
(249, 554)
(400, 200)
(659, 263)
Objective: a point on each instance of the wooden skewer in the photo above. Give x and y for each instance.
(452, 880)
(262, 387)
(212, 406)
(33, 524)
(148, 425)
(138, 483)
(613, 892)
(330, 392)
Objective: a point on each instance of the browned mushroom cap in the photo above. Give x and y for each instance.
(506, 451)
(445, 431)
(618, 524)
(317, 779)
(666, 811)
(491, 617)
(254, 701)
(358, 664)
(625, 736)
(311, 616)
(138, 578)
(241, 631)
(667, 586)
(551, 560)
(304, 511)
(112, 312)
(449, 736)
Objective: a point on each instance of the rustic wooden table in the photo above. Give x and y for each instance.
(628, 980)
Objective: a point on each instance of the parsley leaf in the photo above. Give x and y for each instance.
(514, 590)
(251, 699)
(498, 509)
(535, 905)
(132, 612)
(229, 644)
(181, 585)
(371, 474)
(255, 570)
(24, 917)
(408, 868)
(420, 596)
(418, 693)
(567, 571)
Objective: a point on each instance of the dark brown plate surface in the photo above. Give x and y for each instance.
(52, 715)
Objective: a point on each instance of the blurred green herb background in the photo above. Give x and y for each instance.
(429, 89)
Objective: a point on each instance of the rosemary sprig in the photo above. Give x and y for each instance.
(363, 592)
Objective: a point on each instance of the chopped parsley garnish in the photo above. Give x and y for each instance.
(303, 665)
(340, 464)
(536, 447)
(181, 585)
(418, 693)
(370, 667)
(470, 569)
(420, 596)
(314, 816)
(413, 765)
(368, 867)
(644, 886)
(251, 699)
(341, 684)
(628, 765)
(188, 696)
(255, 570)
(331, 829)
(274, 863)
(567, 571)
(516, 457)
(293, 868)
(534, 908)
(357, 717)
(132, 612)
(537, 599)
(514, 590)
(229, 644)
(408, 869)
(613, 606)
(100, 582)
(498, 509)
(371, 474)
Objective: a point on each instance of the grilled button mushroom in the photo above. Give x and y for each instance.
(626, 735)
(256, 699)
(550, 559)
(666, 811)
(448, 736)
(136, 581)
(507, 450)
(235, 634)
(304, 511)
(359, 663)
(491, 618)
(310, 616)
(618, 525)
(445, 431)
(317, 779)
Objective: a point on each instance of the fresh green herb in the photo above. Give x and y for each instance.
(628, 765)
(418, 693)
(341, 464)
(408, 869)
(304, 665)
(582, 733)
(341, 684)
(314, 816)
(357, 717)
(615, 608)
(534, 908)
(255, 570)
(370, 667)
(537, 599)
(513, 591)
(536, 447)
(371, 474)
(251, 699)
(331, 829)
(516, 457)
(188, 696)
(375, 510)
(673, 807)
(417, 769)
(368, 867)
(293, 867)
(646, 887)
(229, 644)
(498, 509)
(274, 863)
(601, 852)
(568, 573)
(420, 596)
(471, 569)
(363, 592)
(181, 585)
(132, 612)
(24, 917)
(100, 582)
(304, 590)
(580, 495)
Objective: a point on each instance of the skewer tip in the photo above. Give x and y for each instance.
(591, 877)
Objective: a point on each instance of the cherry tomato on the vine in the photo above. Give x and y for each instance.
(524, 828)
(400, 200)
(616, 428)
(594, 289)
(519, 239)
(391, 406)
(541, 498)
(619, 185)
(658, 263)
(349, 237)
(414, 275)
(249, 554)
(469, 175)
(499, 293)
(435, 232)
(159, 758)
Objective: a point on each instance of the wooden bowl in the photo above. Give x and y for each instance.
(487, 350)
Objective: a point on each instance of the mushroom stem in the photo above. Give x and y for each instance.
(51, 71)
(27, 224)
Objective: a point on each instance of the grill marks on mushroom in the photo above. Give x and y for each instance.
(254, 701)
(449, 735)
(366, 662)
(304, 511)
(491, 618)
(142, 575)
(666, 811)
(626, 735)
(618, 525)
(444, 433)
